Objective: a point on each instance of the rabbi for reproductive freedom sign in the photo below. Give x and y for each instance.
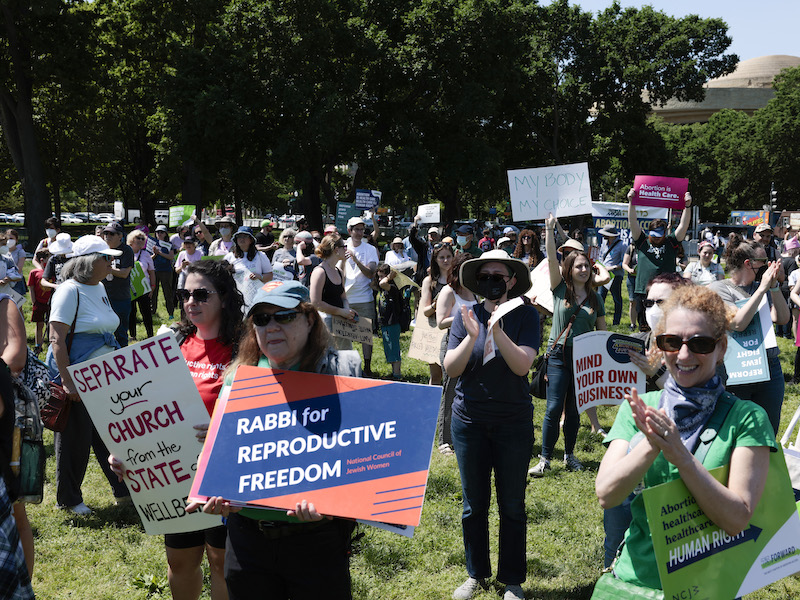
(603, 371)
(357, 448)
(144, 404)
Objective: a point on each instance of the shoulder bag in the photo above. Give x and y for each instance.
(55, 410)
(539, 378)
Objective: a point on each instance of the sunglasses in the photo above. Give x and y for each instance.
(339, 245)
(282, 317)
(648, 303)
(441, 245)
(108, 257)
(493, 277)
(199, 295)
(697, 344)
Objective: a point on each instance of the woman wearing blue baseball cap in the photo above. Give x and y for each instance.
(268, 552)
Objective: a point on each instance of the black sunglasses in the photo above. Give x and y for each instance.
(441, 245)
(282, 317)
(698, 344)
(648, 303)
(199, 295)
(494, 277)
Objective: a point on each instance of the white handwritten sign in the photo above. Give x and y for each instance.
(562, 190)
(360, 331)
(426, 341)
(429, 213)
(144, 404)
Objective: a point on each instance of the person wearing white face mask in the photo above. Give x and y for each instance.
(52, 227)
(223, 244)
(18, 255)
(8, 269)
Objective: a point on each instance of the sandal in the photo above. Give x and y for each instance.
(446, 449)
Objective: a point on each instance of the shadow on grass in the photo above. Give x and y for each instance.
(114, 517)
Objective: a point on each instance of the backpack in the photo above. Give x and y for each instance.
(27, 451)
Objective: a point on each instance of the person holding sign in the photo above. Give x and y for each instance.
(432, 285)
(656, 438)
(82, 325)
(208, 334)
(577, 309)
(271, 553)
(658, 252)
(327, 286)
(753, 278)
(137, 240)
(491, 427)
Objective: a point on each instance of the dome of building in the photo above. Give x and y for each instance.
(756, 72)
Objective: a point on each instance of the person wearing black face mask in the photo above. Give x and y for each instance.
(753, 278)
(491, 423)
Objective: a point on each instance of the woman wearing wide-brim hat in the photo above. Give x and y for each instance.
(492, 426)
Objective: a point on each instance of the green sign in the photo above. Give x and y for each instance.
(140, 281)
(697, 559)
(344, 212)
(178, 215)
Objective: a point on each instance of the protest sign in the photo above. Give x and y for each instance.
(140, 281)
(490, 346)
(358, 331)
(178, 215)
(16, 297)
(615, 214)
(403, 281)
(602, 370)
(697, 559)
(562, 190)
(355, 447)
(426, 340)
(212, 257)
(429, 213)
(144, 404)
(367, 199)
(247, 285)
(344, 212)
(540, 293)
(655, 190)
(746, 357)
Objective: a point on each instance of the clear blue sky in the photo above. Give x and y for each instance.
(758, 27)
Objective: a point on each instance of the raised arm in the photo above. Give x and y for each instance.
(552, 253)
(633, 222)
(686, 217)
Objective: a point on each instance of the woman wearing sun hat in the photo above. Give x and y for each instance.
(491, 427)
(82, 325)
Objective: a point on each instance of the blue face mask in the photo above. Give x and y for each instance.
(461, 240)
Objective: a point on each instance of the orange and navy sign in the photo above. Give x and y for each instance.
(357, 448)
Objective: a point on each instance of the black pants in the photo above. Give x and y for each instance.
(309, 565)
(143, 302)
(72, 458)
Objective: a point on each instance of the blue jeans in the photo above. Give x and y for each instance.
(767, 394)
(560, 398)
(123, 310)
(505, 448)
(615, 523)
(616, 294)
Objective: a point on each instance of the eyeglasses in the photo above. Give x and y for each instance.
(493, 277)
(698, 344)
(282, 317)
(648, 303)
(199, 295)
(759, 260)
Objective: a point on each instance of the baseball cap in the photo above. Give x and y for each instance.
(162, 228)
(465, 229)
(113, 228)
(353, 221)
(763, 227)
(284, 294)
(89, 244)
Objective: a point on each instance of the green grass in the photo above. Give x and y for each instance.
(107, 556)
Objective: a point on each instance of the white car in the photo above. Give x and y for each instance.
(18, 217)
(70, 218)
(106, 217)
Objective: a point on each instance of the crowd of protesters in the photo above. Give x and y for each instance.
(246, 297)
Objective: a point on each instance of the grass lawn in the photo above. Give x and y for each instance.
(107, 556)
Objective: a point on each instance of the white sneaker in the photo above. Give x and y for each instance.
(80, 509)
(542, 466)
(514, 592)
(469, 588)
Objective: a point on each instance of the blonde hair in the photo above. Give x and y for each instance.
(136, 233)
(327, 246)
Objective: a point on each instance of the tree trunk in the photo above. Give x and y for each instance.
(192, 188)
(312, 206)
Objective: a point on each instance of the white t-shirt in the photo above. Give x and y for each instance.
(95, 314)
(356, 284)
(393, 258)
(259, 265)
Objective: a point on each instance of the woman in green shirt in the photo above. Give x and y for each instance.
(655, 437)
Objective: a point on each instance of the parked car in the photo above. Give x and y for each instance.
(162, 217)
(106, 217)
(87, 217)
(70, 218)
(18, 217)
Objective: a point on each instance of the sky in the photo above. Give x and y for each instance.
(758, 28)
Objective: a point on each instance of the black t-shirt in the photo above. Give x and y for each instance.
(119, 288)
(493, 393)
(264, 239)
(52, 270)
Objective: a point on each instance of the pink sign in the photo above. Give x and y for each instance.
(654, 190)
